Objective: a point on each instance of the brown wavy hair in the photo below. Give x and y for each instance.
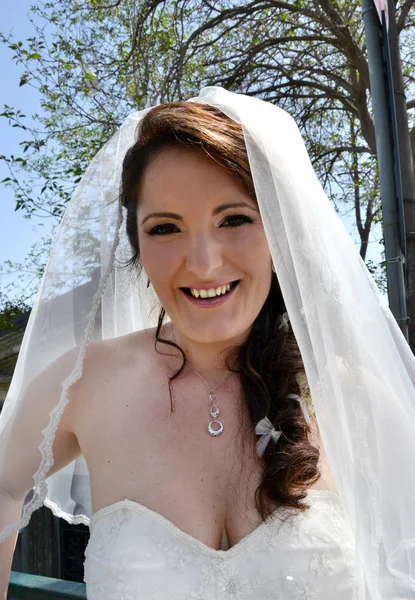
(269, 361)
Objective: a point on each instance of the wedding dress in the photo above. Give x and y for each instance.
(134, 553)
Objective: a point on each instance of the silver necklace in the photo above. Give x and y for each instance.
(214, 409)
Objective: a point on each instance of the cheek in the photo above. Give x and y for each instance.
(160, 260)
(252, 248)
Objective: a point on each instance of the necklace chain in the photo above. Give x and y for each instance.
(214, 409)
(212, 389)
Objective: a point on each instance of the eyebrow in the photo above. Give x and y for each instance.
(217, 210)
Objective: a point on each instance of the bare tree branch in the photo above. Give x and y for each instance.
(340, 149)
(404, 12)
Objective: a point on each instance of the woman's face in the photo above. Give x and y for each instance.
(199, 230)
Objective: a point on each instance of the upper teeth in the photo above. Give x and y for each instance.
(212, 292)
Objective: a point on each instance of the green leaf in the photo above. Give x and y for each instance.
(24, 79)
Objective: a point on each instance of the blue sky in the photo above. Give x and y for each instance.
(17, 234)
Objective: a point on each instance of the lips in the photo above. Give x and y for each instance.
(211, 292)
(210, 302)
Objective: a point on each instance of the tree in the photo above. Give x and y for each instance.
(94, 62)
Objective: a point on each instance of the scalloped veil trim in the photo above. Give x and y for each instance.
(45, 448)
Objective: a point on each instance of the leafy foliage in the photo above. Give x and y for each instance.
(20, 281)
(10, 310)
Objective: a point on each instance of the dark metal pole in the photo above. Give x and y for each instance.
(386, 163)
(406, 167)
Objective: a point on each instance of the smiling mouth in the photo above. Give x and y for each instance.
(211, 293)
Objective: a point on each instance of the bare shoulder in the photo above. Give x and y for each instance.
(109, 356)
(111, 368)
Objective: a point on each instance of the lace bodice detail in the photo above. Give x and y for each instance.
(134, 553)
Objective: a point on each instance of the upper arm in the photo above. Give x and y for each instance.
(65, 447)
(23, 429)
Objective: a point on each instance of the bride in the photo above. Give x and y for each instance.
(187, 439)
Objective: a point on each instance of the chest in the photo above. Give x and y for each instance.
(137, 448)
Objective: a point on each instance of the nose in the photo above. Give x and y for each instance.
(204, 257)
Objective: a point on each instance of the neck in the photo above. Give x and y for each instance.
(206, 357)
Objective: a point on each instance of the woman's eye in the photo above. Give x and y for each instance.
(164, 229)
(236, 220)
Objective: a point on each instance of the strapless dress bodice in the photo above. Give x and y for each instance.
(134, 554)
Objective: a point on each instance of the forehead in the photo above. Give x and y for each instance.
(182, 174)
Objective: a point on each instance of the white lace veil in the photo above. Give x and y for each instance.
(359, 367)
